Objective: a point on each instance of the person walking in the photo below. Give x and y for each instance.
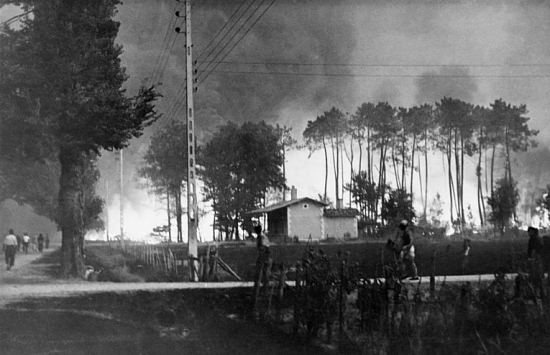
(18, 242)
(26, 241)
(404, 242)
(535, 259)
(264, 256)
(40, 241)
(10, 248)
(47, 241)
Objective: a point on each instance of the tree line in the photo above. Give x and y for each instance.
(237, 167)
(394, 144)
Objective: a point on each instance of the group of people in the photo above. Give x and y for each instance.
(14, 243)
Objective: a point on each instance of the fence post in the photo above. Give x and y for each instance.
(341, 301)
(432, 277)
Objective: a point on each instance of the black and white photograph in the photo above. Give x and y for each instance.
(275, 177)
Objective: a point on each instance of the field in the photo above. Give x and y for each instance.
(441, 258)
(334, 307)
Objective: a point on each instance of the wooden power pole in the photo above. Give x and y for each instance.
(121, 197)
(192, 207)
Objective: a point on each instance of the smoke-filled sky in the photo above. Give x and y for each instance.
(403, 52)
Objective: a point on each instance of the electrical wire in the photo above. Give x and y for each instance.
(229, 31)
(512, 76)
(239, 40)
(221, 29)
(380, 65)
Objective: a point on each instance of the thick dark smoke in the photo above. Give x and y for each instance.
(449, 81)
(290, 32)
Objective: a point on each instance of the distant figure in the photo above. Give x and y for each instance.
(18, 242)
(466, 247)
(535, 259)
(40, 241)
(26, 241)
(404, 242)
(10, 248)
(47, 241)
(263, 262)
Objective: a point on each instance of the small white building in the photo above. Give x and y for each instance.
(307, 218)
(340, 223)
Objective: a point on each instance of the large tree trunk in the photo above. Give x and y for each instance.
(71, 220)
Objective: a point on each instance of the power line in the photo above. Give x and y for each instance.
(180, 94)
(377, 65)
(15, 18)
(382, 75)
(239, 40)
(222, 28)
(164, 42)
(177, 106)
(229, 31)
(168, 43)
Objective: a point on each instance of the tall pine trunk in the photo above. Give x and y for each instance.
(426, 174)
(412, 163)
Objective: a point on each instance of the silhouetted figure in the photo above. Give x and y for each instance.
(10, 248)
(263, 262)
(40, 241)
(406, 249)
(535, 258)
(47, 241)
(18, 242)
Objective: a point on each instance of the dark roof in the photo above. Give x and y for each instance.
(285, 204)
(340, 212)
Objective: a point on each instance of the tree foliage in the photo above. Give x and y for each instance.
(395, 139)
(503, 203)
(238, 165)
(165, 165)
(61, 74)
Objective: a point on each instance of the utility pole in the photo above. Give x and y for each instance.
(121, 198)
(192, 207)
(107, 209)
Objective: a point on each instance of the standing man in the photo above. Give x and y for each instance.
(10, 247)
(406, 248)
(263, 262)
(535, 259)
(47, 241)
(40, 241)
(26, 241)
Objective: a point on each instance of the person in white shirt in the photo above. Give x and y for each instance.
(26, 241)
(10, 247)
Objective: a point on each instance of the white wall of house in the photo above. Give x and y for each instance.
(337, 227)
(305, 219)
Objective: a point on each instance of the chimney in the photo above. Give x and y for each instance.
(293, 193)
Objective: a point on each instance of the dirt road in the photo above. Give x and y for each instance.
(34, 276)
